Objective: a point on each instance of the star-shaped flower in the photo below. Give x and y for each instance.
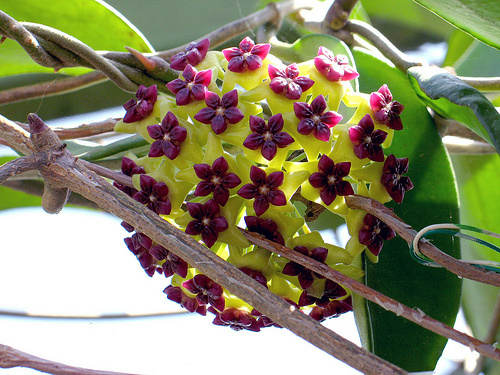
(168, 137)
(334, 68)
(192, 87)
(264, 189)
(175, 293)
(333, 309)
(385, 110)
(237, 319)
(305, 276)
(154, 195)
(313, 118)
(268, 137)
(172, 263)
(265, 227)
(207, 221)
(220, 112)
(194, 54)
(129, 168)
(207, 291)
(287, 81)
(392, 177)
(367, 140)
(329, 179)
(143, 106)
(373, 233)
(139, 244)
(216, 179)
(248, 56)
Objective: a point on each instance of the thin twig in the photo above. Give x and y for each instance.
(416, 316)
(20, 165)
(408, 233)
(10, 358)
(483, 83)
(384, 45)
(15, 136)
(46, 89)
(83, 130)
(109, 173)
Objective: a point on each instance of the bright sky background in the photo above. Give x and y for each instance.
(76, 263)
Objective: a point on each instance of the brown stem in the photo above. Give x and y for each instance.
(46, 89)
(15, 136)
(414, 315)
(20, 165)
(82, 131)
(10, 358)
(339, 12)
(408, 233)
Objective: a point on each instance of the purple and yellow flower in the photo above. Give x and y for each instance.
(305, 276)
(392, 177)
(193, 54)
(154, 195)
(206, 290)
(334, 68)
(330, 179)
(314, 119)
(373, 233)
(193, 87)
(264, 189)
(167, 137)
(248, 57)
(267, 136)
(385, 110)
(207, 221)
(220, 112)
(367, 140)
(288, 82)
(143, 106)
(215, 179)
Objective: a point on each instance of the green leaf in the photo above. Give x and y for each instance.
(479, 18)
(408, 16)
(450, 97)
(478, 179)
(92, 22)
(488, 57)
(458, 42)
(12, 198)
(433, 200)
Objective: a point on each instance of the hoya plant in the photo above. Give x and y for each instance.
(237, 154)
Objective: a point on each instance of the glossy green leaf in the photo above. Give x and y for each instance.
(450, 97)
(92, 22)
(433, 200)
(479, 60)
(11, 198)
(480, 18)
(478, 178)
(408, 16)
(458, 43)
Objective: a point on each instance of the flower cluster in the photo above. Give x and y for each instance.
(239, 138)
